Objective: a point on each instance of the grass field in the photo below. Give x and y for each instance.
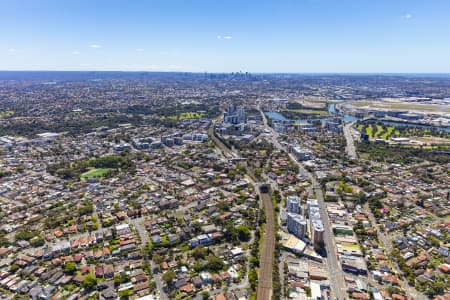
(309, 111)
(379, 131)
(4, 114)
(183, 116)
(375, 131)
(387, 133)
(369, 131)
(350, 247)
(96, 173)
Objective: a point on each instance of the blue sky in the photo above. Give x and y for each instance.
(226, 35)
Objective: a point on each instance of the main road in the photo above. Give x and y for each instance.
(336, 275)
(351, 150)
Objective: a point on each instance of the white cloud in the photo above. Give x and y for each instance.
(224, 37)
(95, 46)
(75, 52)
(139, 50)
(12, 50)
(407, 17)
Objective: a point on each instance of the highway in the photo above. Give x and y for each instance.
(351, 150)
(336, 274)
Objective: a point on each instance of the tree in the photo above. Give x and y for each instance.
(148, 249)
(205, 295)
(199, 252)
(168, 277)
(214, 263)
(253, 278)
(125, 294)
(89, 282)
(70, 267)
(231, 174)
(243, 233)
(4, 242)
(158, 258)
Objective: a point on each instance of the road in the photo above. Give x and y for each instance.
(410, 291)
(265, 278)
(140, 228)
(351, 150)
(336, 274)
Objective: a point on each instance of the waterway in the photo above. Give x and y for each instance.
(348, 118)
(331, 109)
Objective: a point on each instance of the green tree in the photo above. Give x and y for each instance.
(253, 278)
(125, 294)
(89, 282)
(205, 295)
(199, 252)
(70, 267)
(243, 233)
(158, 258)
(168, 277)
(214, 263)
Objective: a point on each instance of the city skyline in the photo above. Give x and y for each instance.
(311, 36)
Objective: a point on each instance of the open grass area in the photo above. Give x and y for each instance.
(350, 247)
(387, 133)
(369, 131)
(4, 114)
(96, 173)
(309, 111)
(183, 116)
(372, 130)
(380, 130)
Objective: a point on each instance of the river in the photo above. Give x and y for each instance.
(348, 118)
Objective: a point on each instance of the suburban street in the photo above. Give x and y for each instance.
(138, 224)
(388, 249)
